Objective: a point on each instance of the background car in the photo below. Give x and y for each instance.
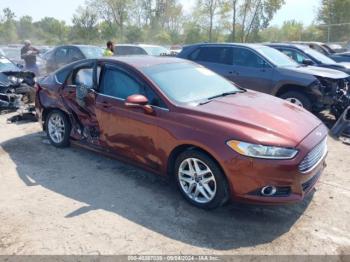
(267, 70)
(328, 51)
(140, 49)
(303, 54)
(245, 146)
(16, 86)
(175, 49)
(14, 54)
(63, 55)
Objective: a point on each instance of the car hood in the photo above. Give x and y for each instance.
(320, 71)
(345, 64)
(342, 54)
(259, 118)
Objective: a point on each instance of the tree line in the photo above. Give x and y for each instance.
(167, 22)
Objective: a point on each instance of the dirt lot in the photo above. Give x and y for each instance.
(73, 201)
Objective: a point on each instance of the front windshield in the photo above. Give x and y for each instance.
(91, 52)
(276, 57)
(319, 57)
(156, 50)
(185, 83)
(7, 65)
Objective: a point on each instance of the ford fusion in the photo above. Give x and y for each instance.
(176, 118)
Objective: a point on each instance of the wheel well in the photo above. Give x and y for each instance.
(182, 148)
(46, 112)
(287, 88)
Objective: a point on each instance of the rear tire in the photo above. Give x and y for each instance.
(200, 180)
(298, 98)
(58, 128)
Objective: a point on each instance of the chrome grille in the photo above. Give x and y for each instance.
(314, 157)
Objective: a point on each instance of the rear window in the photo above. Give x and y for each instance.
(129, 50)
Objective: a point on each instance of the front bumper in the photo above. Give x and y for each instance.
(247, 176)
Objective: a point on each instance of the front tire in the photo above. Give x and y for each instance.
(58, 128)
(201, 180)
(298, 98)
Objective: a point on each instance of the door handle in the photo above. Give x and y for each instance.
(233, 73)
(106, 104)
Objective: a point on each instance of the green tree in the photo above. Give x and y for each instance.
(292, 31)
(113, 12)
(25, 28)
(207, 12)
(85, 23)
(335, 18)
(256, 15)
(53, 30)
(134, 34)
(8, 30)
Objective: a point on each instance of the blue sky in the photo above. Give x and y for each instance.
(300, 10)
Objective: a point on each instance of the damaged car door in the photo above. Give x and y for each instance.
(126, 129)
(79, 96)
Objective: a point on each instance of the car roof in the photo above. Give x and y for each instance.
(249, 45)
(145, 61)
(299, 46)
(138, 45)
(76, 46)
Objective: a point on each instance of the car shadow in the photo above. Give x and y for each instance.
(101, 183)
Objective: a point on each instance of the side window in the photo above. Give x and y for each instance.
(318, 48)
(62, 75)
(119, 84)
(84, 77)
(139, 51)
(61, 54)
(219, 55)
(153, 98)
(300, 57)
(246, 57)
(75, 54)
(122, 50)
(289, 53)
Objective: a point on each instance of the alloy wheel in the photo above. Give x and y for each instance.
(56, 128)
(197, 180)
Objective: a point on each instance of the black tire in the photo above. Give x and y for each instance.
(65, 141)
(303, 98)
(222, 189)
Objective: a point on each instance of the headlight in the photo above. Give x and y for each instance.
(260, 151)
(15, 80)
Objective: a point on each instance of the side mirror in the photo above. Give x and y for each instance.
(20, 66)
(139, 101)
(308, 62)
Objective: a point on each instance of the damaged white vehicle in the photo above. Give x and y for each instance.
(16, 86)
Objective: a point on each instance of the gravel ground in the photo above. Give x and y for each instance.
(73, 201)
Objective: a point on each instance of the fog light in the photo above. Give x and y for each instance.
(269, 191)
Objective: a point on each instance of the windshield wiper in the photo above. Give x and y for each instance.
(221, 95)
